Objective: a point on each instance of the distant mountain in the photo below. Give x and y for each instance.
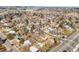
(37, 7)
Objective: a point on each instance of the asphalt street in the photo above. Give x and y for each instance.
(67, 43)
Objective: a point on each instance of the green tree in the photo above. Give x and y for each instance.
(27, 22)
(10, 36)
(22, 40)
(15, 29)
(1, 17)
(2, 48)
(26, 30)
(34, 14)
(32, 28)
(41, 15)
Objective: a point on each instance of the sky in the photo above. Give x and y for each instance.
(39, 3)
